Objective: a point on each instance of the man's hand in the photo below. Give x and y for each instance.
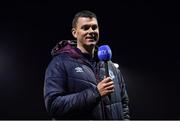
(106, 86)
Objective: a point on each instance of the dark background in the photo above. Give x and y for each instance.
(143, 36)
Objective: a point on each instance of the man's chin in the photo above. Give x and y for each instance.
(92, 44)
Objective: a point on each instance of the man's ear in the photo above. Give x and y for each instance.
(74, 32)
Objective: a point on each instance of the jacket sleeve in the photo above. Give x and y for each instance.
(124, 97)
(58, 101)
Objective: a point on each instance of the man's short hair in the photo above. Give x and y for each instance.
(84, 13)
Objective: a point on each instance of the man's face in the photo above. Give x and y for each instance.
(86, 32)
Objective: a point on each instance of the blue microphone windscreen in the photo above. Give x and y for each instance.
(104, 53)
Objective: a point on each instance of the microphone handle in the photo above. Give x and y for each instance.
(106, 69)
(107, 75)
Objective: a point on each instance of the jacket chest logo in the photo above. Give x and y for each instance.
(79, 69)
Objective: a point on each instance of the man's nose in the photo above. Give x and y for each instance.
(91, 30)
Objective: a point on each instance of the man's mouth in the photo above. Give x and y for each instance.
(91, 38)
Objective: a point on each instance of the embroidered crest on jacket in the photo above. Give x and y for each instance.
(78, 69)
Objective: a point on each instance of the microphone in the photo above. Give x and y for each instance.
(105, 54)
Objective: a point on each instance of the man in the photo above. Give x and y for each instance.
(75, 86)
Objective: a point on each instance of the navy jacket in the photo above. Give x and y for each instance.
(70, 90)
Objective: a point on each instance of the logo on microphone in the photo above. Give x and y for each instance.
(104, 53)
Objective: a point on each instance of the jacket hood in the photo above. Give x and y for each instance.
(66, 46)
(70, 47)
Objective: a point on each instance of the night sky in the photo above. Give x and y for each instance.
(143, 36)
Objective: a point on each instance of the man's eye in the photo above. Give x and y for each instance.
(86, 27)
(94, 27)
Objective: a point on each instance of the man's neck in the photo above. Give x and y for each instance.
(88, 50)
